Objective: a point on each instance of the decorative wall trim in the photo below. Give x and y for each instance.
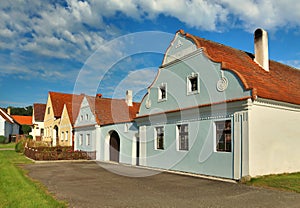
(276, 104)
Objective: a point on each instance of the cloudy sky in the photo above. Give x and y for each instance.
(108, 46)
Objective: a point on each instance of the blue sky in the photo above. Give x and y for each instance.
(105, 46)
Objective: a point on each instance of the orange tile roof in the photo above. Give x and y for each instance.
(22, 120)
(111, 111)
(72, 102)
(39, 111)
(281, 83)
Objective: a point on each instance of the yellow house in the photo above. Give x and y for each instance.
(60, 114)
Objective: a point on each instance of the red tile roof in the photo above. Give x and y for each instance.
(72, 102)
(5, 116)
(281, 83)
(22, 120)
(39, 111)
(111, 111)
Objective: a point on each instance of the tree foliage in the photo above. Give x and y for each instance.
(25, 111)
(26, 129)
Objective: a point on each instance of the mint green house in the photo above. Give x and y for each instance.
(219, 111)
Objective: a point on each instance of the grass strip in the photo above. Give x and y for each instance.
(18, 190)
(9, 145)
(289, 182)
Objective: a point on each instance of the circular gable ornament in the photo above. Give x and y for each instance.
(222, 84)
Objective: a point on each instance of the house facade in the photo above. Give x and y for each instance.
(218, 111)
(60, 113)
(38, 121)
(106, 126)
(8, 126)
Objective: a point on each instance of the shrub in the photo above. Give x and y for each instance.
(20, 146)
(29, 137)
(2, 139)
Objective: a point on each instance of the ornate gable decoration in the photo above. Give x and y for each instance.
(179, 47)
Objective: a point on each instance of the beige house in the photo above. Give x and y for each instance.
(61, 110)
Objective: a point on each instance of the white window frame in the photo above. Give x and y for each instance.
(156, 139)
(178, 137)
(189, 85)
(87, 117)
(87, 139)
(159, 92)
(80, 139)
(66, 135)
(215, 135)
(81, 117)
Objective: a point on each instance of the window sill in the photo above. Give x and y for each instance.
(161, 100)
(193, 93)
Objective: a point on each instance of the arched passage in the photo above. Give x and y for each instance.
(114, 146)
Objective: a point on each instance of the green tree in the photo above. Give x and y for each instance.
(26, 129)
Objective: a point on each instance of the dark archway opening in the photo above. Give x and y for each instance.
(114, 146)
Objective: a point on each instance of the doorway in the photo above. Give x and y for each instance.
(114, 147)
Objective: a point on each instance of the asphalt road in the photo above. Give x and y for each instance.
(91, 184)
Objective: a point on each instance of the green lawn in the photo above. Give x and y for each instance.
(16, 189)
(9, 145)
(289, 182)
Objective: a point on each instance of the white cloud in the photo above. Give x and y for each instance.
(74, 29)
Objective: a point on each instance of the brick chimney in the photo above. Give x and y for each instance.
(128, 99)
(261, 48)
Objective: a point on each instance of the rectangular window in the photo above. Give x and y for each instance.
(62, 136)
(81, 118)
(66, 136)
(193, 84)
(80, 139)
(159, 137)
(183, 137)
(162, 92)
(223, 136)
(48, 110)
(42, 132)
(88, 140)
(86, 116)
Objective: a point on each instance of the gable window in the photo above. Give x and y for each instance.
(42, 132)
(223, 136)
(88, 139)
(48, 110)
(67, 135)
(86, 116)
(193, 84)
(159, 137)
(162, 92)
(81, 118)
(183, 137)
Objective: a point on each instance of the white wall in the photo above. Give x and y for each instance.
(274, 139)
(2, 126)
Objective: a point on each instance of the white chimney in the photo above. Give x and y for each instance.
(8, 110)
(129, 97)
(261, 48)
